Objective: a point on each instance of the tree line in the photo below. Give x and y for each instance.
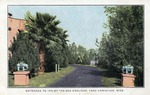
(123, 43)
(43, 44)
(80, 55)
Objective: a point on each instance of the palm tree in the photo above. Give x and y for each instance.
(44, 31)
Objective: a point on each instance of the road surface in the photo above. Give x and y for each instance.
(83, 76)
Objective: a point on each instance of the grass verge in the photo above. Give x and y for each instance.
(110, 78)
(46, 79)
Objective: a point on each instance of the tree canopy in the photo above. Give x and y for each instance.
(123, 43)
(23, 50)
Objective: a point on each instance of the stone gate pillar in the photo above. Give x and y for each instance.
(21, 78)
(128, 80)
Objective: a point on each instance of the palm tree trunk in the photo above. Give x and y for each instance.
(42, 61)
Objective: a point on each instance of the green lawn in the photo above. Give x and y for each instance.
(46, 79)
(109, 78)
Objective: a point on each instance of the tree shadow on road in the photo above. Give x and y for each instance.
(111, 78)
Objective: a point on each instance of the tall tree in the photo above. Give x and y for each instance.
(83, 55)
(80, 55)
(23, 50)
(43, 30)
(73, 55)
(92, 54)
(124, 43)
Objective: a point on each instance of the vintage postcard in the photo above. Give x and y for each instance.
(77, 49)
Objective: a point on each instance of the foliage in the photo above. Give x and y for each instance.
(93, 54)
(43, 29)
(25, 50)
(72, 53)
(80, 55)
(123, 44)
(109, 78)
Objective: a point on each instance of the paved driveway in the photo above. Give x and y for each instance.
(83, 76)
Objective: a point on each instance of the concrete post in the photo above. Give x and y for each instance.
(128, 80)
(21, 78)
(56, 68)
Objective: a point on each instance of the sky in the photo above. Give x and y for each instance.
(83, 23)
